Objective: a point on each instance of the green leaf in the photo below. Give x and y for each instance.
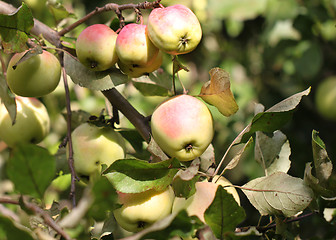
(93, 80)
(152, 85)
(274, 118)
(58, 11)
(11, 230)
(7, 98)
(184, 188)
(224, 213)
(14, 29)
(31, 168)
(133, 175)
(278, 194)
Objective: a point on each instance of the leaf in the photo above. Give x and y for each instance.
(217, 92)
(184, 180)
(133, 175)
(11, 230)
(208, 159)
(31, 168)
(278, 194)
(156, 151)
(14, 29)
(153, 85)
(274, 118)
(272, 152)
(58, 11)
(7, 98)
(93, 80)
(224, 213)
(29, 54)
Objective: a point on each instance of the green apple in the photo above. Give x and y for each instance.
(96, 47)
(34, 77)
(325, 98)
(174, 29)
(31, 125)
(140, 210)
(197, 204)
(94, 146)
(134, 47)
(183, 127)
(135, 71)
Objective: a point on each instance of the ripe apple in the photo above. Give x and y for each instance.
(135, 71)
(140, 210)
(94, 146)
(32, 122)
(95, 47)
(35, 77)
(183, 127)
(134, 47)
(205, 193)
(174, 29)
(325, 98)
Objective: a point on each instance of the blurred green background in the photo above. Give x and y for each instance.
(271, 48)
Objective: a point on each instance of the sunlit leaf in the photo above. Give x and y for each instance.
(278, 194)
(14, 29)
(217, 92)
(133, 175)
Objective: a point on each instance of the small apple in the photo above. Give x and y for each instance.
(325, 98)
(174, 29)
(205, 193)
(135, 71)
(134, 47)
(95, 47)
(183, 127)
(94, 146)
(31, 125)
(140, 210)
(34, 77)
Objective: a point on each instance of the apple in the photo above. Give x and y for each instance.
(325, 98)
(95, 47)
(32, 122)
(135, 71)
(140, 210)
(34, 77)
(183, 127)
(94, 146)
(134, 47)
(174, 29)
(197, 204)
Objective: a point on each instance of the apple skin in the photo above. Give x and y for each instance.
(325, 98)
(31, 126)
(183, 127)
(95, 47)
(197, 204)
(94, 146)
(174, 29)
(134, 47)
(135, 71)
(140, 210)
(35, 77)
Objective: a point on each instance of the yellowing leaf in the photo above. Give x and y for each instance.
(217, 92)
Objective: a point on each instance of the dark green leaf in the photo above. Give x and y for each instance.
(10, 230)
(133, 176)
(134, 138)
(152, 85)
(58, 11)
(14, 29)
(31, 168)
(224, 213)
(94, 80)
(184, 188)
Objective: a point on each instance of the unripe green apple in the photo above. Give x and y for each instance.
(34, 77)
(140, 210)
(31, 126)
(325, 98)
(134, 47)
(94, 146)
(197, 204)
(135, 71)
(95, 47)
(174, 29)
(183, 127)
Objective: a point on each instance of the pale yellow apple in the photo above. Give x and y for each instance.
(94, 146)
(183, 127)
(197, 204)
(140, 210)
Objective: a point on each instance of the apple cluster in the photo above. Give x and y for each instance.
(137, 49)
